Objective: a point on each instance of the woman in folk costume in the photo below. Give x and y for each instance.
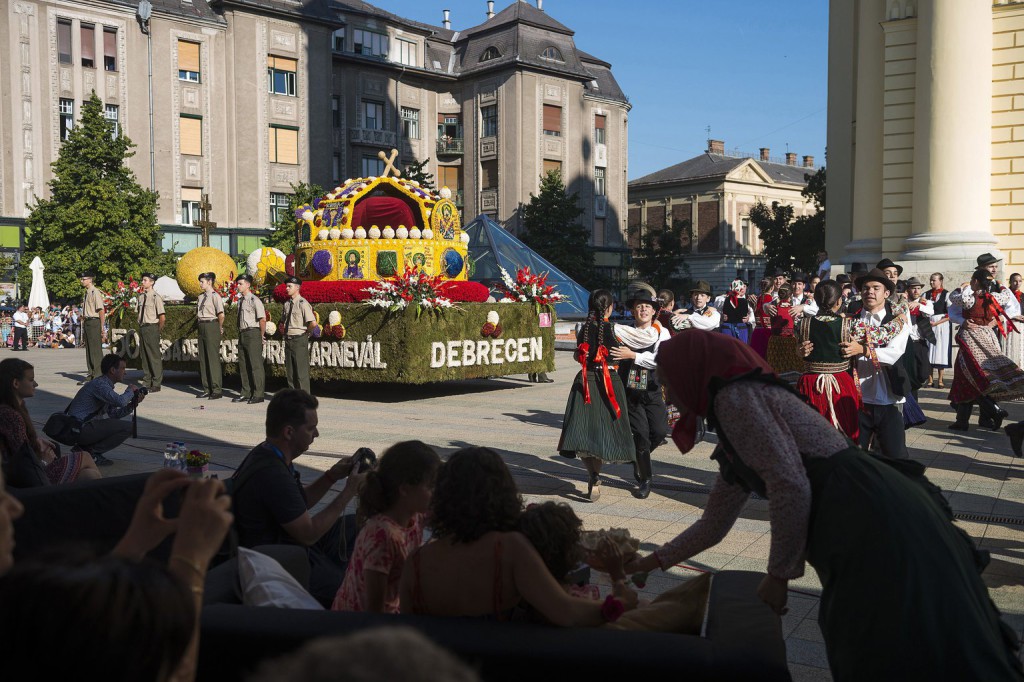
(899, 551)
(736, 312)
(762, 320)
(940, 353)
(595, 427)
(1015, 339)
(783, 348)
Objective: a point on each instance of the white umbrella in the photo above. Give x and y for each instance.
(168, 288)
(38, 298)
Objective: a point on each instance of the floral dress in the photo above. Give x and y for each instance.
(382, 546)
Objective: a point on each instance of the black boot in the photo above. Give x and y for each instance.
(543, 378)
(594, 487)
(963, 416)
(1016, 434)
(643, 465)
(992, 415)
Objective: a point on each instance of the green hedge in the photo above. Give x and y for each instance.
(405, 344)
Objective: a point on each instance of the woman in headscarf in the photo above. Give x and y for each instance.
(902, 596)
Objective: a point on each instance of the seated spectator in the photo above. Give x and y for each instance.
(478, 564)
(554, 530)
(17, 383)
(272, 506)
(98, 397)
(392, 502)
(131, 619)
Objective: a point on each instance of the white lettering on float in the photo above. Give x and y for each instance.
(467, 353)
(345, 354)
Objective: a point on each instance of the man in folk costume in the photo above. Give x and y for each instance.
(648, 417)
(921, 334)
(699, 315)
(736, 311)
(982, 373)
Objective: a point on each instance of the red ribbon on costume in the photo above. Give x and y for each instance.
(601, 358)
(990, 301)
(734, 298)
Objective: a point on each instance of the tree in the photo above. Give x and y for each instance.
(659, 258)
(283, 235)
(793, 244)
(98, 217)
(553, 229)
(418, 171)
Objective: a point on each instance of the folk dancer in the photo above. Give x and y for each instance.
(940, 353)
(736, 312)
(699, 315)
(922, 336)
(762, 320)
(783, 349)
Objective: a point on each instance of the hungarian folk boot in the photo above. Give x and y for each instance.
(643, 465)
(963, 417)
(991, 412)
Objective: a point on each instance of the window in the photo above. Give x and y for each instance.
(284, 145)
(411, 123)
(279, 206)
(190, 134)
(190, 198)
(336, 167)
(489, 54)
(407, 52)
(745, 232)
(64, 41)
(188, 61)
(490, 120)
(489, 174)
(373, 115)
(369, 44)
(551, 165)
(552, 120)
(338, 40)
(372, 167)
(221, 241)
(67, 117)
(599, 126)
(281, 75)
(599, 185)
(449, 127)
(88, 34)
(247, 243)
(336, 111)
(552, 53)
(112, 113)
(109, 48)
(180, 242)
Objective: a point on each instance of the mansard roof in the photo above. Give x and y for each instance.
(710, 166)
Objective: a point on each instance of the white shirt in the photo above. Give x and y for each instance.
(21, 319)
(709, 321)
(927, 309)
(874, 386)
(646, 359)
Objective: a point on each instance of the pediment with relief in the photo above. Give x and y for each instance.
(750, 171)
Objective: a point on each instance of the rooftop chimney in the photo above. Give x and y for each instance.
(447, 23)
(716, 147)
(765, 152)
(808, 162)
(540, 5)
(790, 158)
(490, 8)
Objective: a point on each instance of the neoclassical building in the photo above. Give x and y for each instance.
(926, 133)
(252, 96)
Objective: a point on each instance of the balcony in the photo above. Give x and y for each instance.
(450, 146)
(457, 197)
(385, 139)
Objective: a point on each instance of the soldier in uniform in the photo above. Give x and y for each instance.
(95, 334)
(151, 323)
(210, 313)
(252, 324)
(298, 322)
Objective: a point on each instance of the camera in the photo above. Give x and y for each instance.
(363, 460)
(143, 391)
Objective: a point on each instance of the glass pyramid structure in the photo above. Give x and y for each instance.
(491, 247)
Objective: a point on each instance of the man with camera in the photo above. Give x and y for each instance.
(101, 434)
(272, 506)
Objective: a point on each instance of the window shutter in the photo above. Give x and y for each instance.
(282, 63)
(88, 42)
(191, 136)
(552, 118)
(191, 194)
(287, 146)
(550, 165)
(109, 42)
(188, 56)
(272, 144)
(64, 40)
(599, 122)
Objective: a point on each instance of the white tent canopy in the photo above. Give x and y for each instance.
(168, 288)
(38, 298)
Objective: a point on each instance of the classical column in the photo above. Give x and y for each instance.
(866, 230)
(953, 132)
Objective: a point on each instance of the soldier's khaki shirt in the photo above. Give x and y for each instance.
(250, 312)
(151, 307)
(209, 306)
(93, 303)
(298, 313)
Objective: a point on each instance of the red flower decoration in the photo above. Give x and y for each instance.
(487, 330)
(497, 331)
(351, 291)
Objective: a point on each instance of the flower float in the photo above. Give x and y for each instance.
(492, 327)
(266, 266)
(413, 288)
(122, 299)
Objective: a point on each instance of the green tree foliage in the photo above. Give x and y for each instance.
(98, 217)
(418, 171)
(793, 244)
(553, 230)
(659, 258)
(283, 236)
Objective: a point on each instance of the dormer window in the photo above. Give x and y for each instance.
(552, 53)
(489, 54)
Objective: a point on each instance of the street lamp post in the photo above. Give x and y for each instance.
(144, 12)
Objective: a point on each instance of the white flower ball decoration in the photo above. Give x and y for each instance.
(446, 193)
(347, 233)
(344, 210)
(414, 233)
(428, 233)
(337, 190)
(323, 234)
(253, 261)
(464, 238)
(492, 317)
(402, 232)
(335, 233)
(334, 318)
(271, 328)
(374, 232)
(348, 182)
(388, 233)
(307, 215)
(360, 233)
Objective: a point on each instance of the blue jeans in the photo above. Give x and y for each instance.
(737, 330)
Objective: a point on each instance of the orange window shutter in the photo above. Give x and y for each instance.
(88, 42)
(287, 146)
(191, 136)
(188, 56)
(110, 42)
(272, 144)
(552, 118)
(550, 165)
(599, 122)
(191, 194)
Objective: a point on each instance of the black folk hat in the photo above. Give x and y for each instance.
(913, 282)
(877, 275)
(887, 263)
(642, 292)
(987, 259)
(701, 287)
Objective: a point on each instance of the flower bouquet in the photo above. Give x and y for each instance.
(229, 290)
(122, 299)
(198, 464)
(530, 287)
(413, 288)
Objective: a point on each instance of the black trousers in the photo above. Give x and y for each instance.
(885, 423)
(648, 418)
(21, 336)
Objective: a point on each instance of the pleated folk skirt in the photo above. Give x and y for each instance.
(593, 430)
(940, 353)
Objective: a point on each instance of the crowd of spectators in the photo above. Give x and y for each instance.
(55, 327)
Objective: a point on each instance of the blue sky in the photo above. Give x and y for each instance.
(754, 71)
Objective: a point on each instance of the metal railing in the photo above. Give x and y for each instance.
(450, 145)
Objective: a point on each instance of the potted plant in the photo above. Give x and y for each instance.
(198, 464)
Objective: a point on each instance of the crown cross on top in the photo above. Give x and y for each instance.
(389, 168)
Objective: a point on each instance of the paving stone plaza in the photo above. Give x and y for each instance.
(982, 480)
